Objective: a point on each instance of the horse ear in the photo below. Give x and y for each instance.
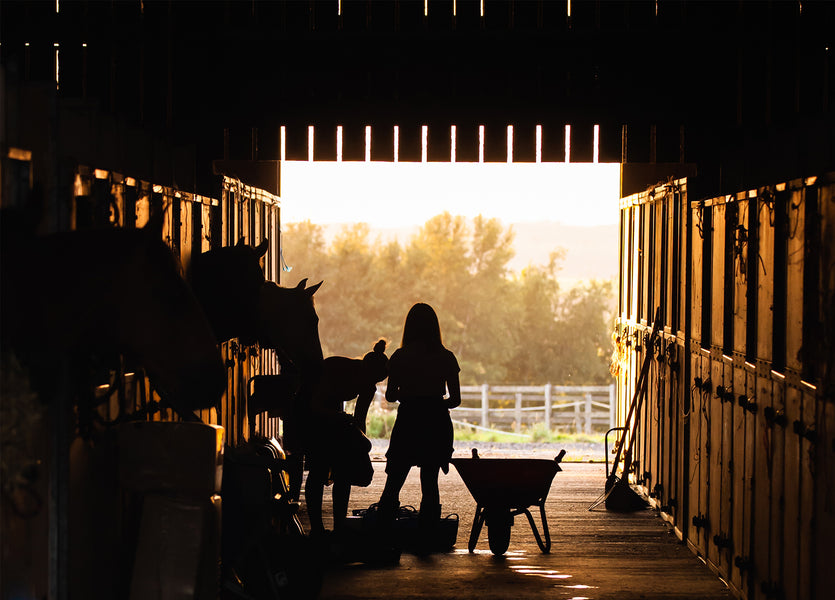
(312, 289)
(261, 249)
(241, 243)
(301, 284)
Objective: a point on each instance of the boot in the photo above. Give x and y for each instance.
(429, 521)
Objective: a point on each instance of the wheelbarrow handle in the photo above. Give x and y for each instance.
(558, 458)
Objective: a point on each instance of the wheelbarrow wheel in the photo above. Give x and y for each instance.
(498, 532)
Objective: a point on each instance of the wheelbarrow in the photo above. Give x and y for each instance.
(504, 488)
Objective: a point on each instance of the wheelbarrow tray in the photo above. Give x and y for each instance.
(507, 482)
(503, 488)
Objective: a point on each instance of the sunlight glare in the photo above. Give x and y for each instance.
(283, 143)
(452, 143)
(310, 143)
(405, 194)
(568, 144)
(57, 67)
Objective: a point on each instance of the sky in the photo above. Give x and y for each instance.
(402, 194)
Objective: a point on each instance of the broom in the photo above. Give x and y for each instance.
(618, 495)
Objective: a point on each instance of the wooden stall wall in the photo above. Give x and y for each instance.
(252, 215)
(735, 443)
(190, 224)
(80, 477)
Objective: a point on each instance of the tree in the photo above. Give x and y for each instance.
(351, 322)
(584, 333)
(504, 328)
(534, 357)
(303, 248)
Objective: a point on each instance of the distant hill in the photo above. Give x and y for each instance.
(591, 252)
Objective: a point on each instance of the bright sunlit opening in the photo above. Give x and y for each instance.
(452, 132)
(310, 143)
(568, 143)
(405, 194)
(283, 143)
(57, 66)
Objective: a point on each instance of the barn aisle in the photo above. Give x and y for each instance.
(594, 555)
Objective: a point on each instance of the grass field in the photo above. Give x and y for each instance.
(379, 427)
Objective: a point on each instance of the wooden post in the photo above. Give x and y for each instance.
(485, 405)
(517, 414)
(548, 406)
(612, 402)
(576, 416)
(588, 412)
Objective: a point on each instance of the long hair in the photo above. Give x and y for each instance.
(422, 327)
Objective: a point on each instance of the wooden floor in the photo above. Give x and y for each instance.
(594, 554)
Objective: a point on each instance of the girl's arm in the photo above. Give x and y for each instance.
(393, 388)
(361, 407)
(454, 388)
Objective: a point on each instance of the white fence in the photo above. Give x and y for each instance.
(580, 408)
(583, 409)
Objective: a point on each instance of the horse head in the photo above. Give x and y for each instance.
(170, 335)
(289, 324)
(227, 282)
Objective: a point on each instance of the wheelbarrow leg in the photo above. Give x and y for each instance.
(475, 531)
(546, 547)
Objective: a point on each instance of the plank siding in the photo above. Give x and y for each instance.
(741, 459)
(741, 494)
(792, 502)
(795, 250)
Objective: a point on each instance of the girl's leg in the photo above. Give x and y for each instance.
(295, 471)
(341, 494)
(430, 510)
(395, 478)
(430, 495)
(390, 498)
(314, 489)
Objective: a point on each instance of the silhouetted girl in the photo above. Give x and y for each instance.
(337, 444)
(421, 372)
